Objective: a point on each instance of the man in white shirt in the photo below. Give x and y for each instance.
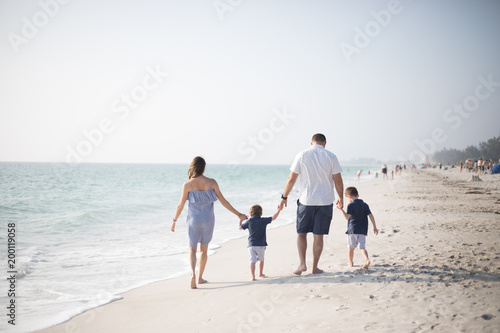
(320, 172)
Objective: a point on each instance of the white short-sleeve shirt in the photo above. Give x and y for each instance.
(316, 167)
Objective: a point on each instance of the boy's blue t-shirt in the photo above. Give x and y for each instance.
(256, 225)
(358, 223)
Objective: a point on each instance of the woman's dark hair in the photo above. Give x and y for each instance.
(197, 167)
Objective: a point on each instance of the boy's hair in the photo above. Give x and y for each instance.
(256, 210)
(352, 191)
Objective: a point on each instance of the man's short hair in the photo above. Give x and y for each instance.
(256, 210)
(352, 191)
(319, 138)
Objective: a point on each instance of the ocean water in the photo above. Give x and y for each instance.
(86, 233)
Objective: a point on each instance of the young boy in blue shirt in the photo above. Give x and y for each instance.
(357, 225)
(256, 226)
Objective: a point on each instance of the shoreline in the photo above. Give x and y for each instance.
(213, 250)
(418, 280)
(141, 249)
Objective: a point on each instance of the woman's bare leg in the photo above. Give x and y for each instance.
(192, 263)
(203, 262)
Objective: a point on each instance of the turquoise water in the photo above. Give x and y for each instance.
(86, 233)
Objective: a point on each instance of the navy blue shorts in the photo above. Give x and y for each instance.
(315, 219)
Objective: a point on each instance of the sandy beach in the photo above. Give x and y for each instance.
(435, 267)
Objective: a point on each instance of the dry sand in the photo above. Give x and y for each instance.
(435, 267)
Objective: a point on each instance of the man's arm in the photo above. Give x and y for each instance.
(292, 178)
(339, 187)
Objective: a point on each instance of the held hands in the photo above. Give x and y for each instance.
(339, 203)
(282, 203)
(242, 218)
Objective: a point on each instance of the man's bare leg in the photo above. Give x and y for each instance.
(203, 262)
(302, 247)
(317, 249)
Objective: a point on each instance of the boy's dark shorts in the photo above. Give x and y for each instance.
(315, 219)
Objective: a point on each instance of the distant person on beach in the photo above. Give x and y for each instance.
(201, 192)
(359, 174)
(256, 226)
(384, 172)
(357, 215)
(320, 173)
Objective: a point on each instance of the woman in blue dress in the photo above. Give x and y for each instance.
(201, 192)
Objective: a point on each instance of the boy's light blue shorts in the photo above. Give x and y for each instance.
(256, 253)
(356, 240)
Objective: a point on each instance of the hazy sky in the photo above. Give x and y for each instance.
(246, 81)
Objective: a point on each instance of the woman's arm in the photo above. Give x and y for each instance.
(180, 206)
(226, 203)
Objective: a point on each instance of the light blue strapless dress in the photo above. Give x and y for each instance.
(201, 218)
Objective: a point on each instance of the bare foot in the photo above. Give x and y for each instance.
(299, 270)
(262, 276)
(351, 264)
(366, 265)
(200, 281)
(317, 271)
(253, 278)
(193, 282)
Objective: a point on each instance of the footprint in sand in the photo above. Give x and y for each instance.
(342, 307)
